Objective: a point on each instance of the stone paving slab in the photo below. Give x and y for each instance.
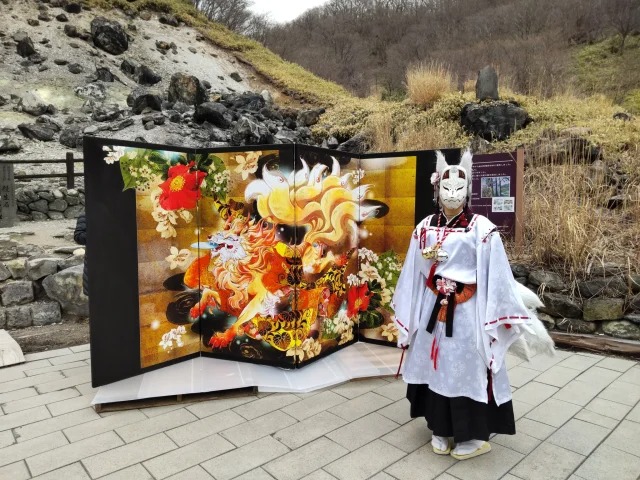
(578, 418)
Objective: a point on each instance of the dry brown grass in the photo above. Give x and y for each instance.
(427, 83)
(568, 226)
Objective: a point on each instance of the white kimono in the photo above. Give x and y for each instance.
(483, 327)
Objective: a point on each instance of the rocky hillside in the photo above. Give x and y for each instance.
(69, 69)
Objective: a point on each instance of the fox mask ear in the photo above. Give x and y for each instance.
(441, 162)
(466, 162)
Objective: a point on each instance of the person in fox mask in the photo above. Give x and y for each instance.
(458, 310)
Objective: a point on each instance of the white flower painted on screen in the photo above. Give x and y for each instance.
(114, 154)
(367, 255)
(247, 164)
(296, 352)
(311, 347)
(178, 258)
(353, 280)
(173, 336)
(389, 331)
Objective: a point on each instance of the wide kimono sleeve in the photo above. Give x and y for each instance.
(501, 312)
(407, 298)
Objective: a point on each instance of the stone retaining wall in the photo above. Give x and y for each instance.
(42, 202)
(607, 303)
(38, 287)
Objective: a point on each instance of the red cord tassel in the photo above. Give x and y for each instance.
(435, 359)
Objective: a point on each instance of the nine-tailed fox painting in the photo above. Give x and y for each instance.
(265, 255)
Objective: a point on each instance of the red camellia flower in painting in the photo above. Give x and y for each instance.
(357, 300)
(182, 188)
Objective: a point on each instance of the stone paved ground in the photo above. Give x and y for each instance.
(578, 417)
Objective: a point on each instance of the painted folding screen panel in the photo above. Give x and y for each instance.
(129, 236)
(276, 254)
(246, 262)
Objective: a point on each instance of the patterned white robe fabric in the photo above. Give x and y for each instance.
(483, 327)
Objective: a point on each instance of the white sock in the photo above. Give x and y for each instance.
(470, 446)
(441, 443)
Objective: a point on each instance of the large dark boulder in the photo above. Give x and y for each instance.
(35, 131)
(187, 89)
(109, 36)
(24, 44)
(139, 73)
(495, 120)
(140, 99)
(249, 132)
(212, 112)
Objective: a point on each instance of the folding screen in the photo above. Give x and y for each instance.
(274, 254)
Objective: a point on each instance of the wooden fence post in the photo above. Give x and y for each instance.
(71, 183)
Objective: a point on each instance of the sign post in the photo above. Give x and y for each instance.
(8, 206)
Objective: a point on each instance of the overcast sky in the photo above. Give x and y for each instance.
(284, 10)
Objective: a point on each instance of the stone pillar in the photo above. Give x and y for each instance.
(8, 206)
(487, 84)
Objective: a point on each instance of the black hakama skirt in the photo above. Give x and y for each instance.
(460, 417)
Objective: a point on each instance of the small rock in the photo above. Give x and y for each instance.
(309, 118)
(236, 76)
(140, 99)
(69, 136)
(58, 205)
(29, 250)
(145, 15)
(18, 317)
(103, 74)
(212, 112)
(5, 274)
(55, 215)
(8, 249)
(550, 280)
(248, 132)
(359, 143)
(24, 45)
(74, 211)
(71, 31)
(193, 50)
(62, 18)
(560, 305)
(33, 22)
(168, 20)
(268, 98)
(634, 303)
(16, 293)
(41, 267)
(94, 91)
(574, 325)
(109, 36)
(44, 17)
(9, 145)
(32, 104)
(633, 317)
(36, 132)
(163, 45)
(149, 126)
(66, 287)
(61, 61)
(74, 45)
(186, 88)
(39, 217)
(17, 267)
(73, 7)
(621, 329)
(548, 320)
(602, 308)
(45, 313)
(91, 129)
(75, 68)
(625, 117)
(604, 286)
